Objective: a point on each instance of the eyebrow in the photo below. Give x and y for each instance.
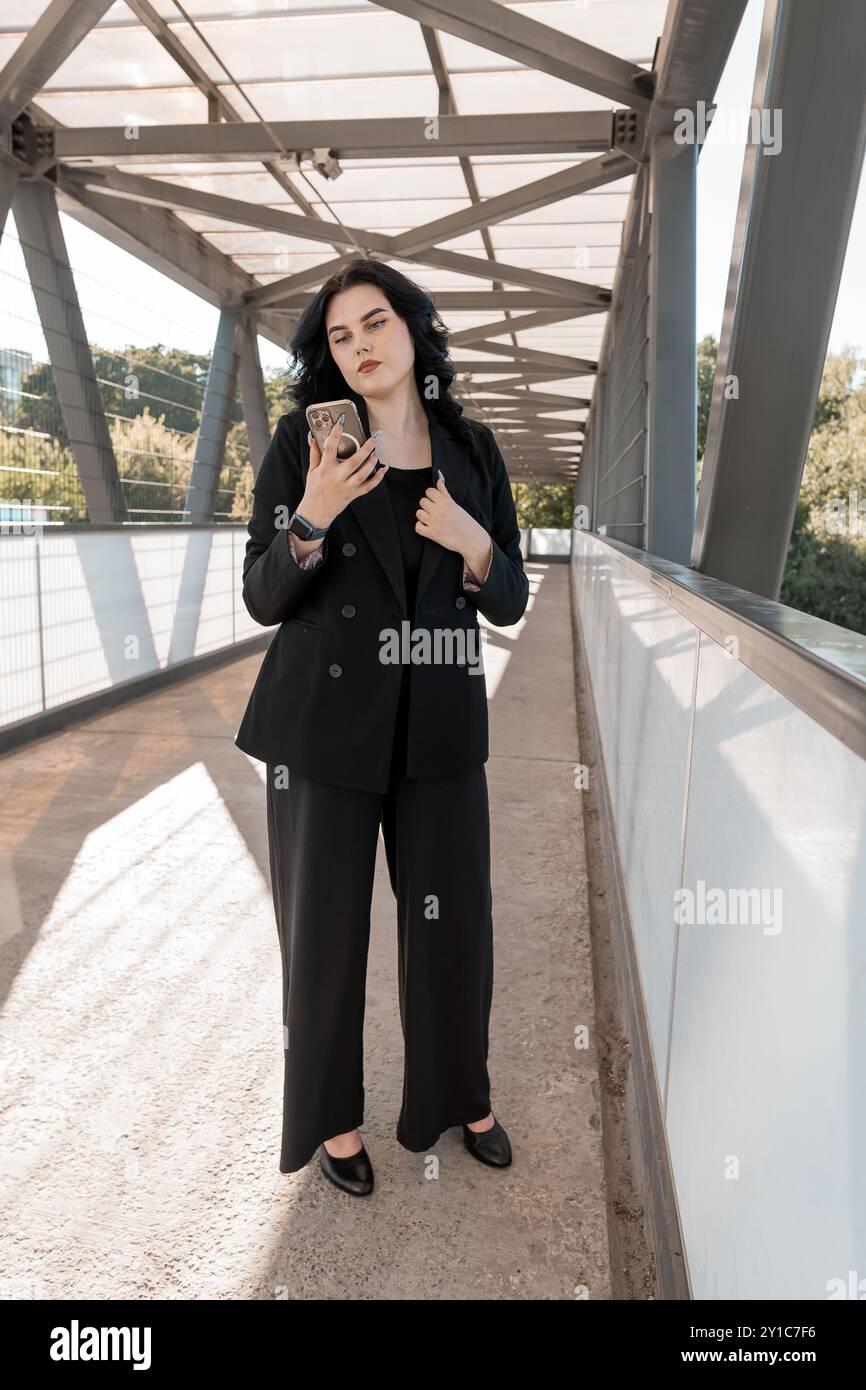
(335, 326)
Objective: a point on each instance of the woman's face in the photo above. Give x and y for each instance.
(361, 328)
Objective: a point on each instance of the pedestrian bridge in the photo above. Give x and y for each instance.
(677, 775)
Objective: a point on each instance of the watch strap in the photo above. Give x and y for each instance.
(306, 531)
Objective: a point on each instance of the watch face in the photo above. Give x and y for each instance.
(300, 528)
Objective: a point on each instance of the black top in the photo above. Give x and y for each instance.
(406, 486)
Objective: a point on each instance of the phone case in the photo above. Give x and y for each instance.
(322, 418)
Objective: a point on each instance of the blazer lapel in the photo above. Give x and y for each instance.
(376, 517)
(449, 455)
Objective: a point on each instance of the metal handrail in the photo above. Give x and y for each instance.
(818, 666)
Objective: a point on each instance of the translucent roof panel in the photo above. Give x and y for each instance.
(266, 61)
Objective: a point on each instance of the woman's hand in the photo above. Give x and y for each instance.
(333, 483)
(443, 520)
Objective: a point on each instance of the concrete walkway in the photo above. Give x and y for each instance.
(140, 1026)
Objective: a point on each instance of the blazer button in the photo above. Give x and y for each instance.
(349, 548)
(348, 610)
(335, 670)
(460, 602)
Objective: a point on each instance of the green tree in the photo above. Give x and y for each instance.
(825, 567)
(168, 383)
(825, 575)
(708, 352)
(544, 504)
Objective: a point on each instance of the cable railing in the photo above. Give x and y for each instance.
(128, 417)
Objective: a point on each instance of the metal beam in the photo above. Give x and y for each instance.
(493, 411)
(521, 424)
(569, 366)
(253, 397)
(564, 435)
(566, 183)
(504, 30)
(466, 337)
(573, 437)
(48, 43)
(263, 296)
(572, 291)
(560, 133)
(138, 188)
(164, 242)
(486, 392)
(539, 400)
(218, 104)
(672, 355)
(564, 460)
(517, 404)
(54, 291)
(791, 233)
(588, 491)
(448, 106)
(692, 53)
(219, 399)
(478, 366)
(10, 172)
(472, 302)
(160, 240)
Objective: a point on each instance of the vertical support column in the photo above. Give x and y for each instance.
(792, 228)
(587, 467)
(672, 358)
(253, 397)
(216, 410)
(53, 286)
(619, 507)
(583, 481)
(598, 431)
(8, 184)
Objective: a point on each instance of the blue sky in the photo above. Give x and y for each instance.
(124, 300)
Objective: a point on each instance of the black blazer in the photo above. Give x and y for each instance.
(323, 703)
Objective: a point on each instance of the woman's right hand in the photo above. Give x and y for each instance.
(333, 483)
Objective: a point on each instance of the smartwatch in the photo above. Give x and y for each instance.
(305, 530)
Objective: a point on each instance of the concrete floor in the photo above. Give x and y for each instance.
(140, 1096)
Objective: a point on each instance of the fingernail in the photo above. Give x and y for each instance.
(341, 418)
(376, 434)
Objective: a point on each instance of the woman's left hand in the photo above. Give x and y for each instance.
(441, 519)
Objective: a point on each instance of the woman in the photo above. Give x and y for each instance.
(365, 716)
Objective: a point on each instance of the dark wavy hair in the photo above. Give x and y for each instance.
(315, 376)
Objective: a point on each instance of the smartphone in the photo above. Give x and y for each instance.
(322, 418)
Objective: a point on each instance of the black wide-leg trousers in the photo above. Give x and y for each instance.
(322, 843)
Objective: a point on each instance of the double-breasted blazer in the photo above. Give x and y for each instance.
(324, 702)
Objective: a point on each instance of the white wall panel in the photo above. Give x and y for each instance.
(83, 611)
(767, 1107)
(765, 1104)
(642, 659)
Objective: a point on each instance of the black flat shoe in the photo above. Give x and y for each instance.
(490, 1146)
(353, 1174)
